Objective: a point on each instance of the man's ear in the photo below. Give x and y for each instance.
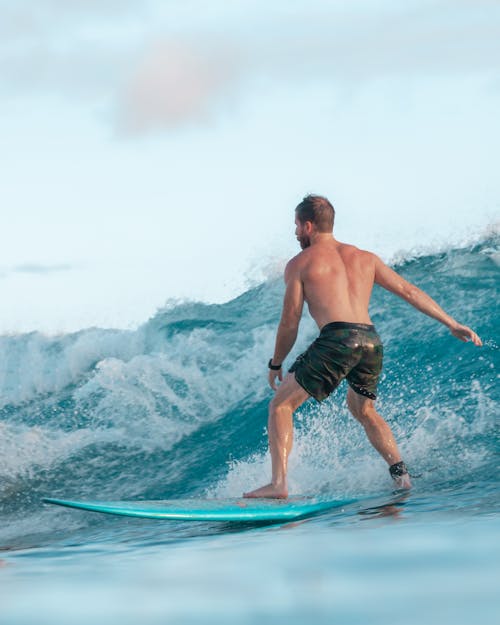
(308, 226)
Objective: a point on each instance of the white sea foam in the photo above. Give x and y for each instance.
(442, 244)
(33, 364)
(27, 449)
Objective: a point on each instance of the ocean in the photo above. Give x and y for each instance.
(178, 408)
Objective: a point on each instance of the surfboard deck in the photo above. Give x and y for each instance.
(209, 509)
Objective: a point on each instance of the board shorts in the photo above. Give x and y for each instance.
(342, 350)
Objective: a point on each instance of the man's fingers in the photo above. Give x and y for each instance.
(272, 378)
(465, 334)
(474, 337)
(272, 382)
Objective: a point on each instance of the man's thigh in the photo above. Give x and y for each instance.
(290, 393)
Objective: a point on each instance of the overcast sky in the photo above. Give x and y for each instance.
(156, 150)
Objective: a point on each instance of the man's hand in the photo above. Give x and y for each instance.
(272, 378)
(465, 334)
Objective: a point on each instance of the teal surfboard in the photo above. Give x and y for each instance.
(210, 509)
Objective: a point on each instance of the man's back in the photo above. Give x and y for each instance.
(337, 281)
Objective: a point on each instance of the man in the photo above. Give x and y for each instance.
(336, 281)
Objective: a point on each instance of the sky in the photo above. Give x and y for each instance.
(155, 151)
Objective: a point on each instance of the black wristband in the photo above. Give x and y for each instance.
(398, 469)
(273, 367)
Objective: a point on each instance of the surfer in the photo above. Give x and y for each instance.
(336, 281)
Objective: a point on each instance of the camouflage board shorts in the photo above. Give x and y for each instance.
(342, 350)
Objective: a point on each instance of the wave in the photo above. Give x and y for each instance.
(178, 407)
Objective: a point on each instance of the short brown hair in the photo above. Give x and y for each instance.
(318, 210)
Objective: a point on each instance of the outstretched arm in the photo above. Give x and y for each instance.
(392, 281)
(293, 304)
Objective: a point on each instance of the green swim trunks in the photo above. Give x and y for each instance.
(342, 350)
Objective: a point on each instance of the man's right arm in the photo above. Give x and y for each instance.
(393, 282)
(291, 313)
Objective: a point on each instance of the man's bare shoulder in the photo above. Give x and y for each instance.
(294, 265)
(349, 249)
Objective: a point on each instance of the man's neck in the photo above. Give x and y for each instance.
(322, 237)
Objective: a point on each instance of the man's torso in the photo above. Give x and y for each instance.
(337, 281)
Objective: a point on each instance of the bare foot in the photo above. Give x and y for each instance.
(403, 481)
(270, 491)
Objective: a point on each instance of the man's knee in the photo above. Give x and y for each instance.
(278, 405)
(362, 408)
(368, 411)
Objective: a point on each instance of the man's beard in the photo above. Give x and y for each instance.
(304, 242)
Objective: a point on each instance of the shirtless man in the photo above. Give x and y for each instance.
(336, 281)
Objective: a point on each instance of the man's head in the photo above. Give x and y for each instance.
(313, 214)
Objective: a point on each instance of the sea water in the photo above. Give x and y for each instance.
(178, 408)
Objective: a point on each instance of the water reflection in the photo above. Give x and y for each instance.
(394, 509)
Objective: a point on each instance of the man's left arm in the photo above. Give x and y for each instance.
(392, 281)
(291, 314)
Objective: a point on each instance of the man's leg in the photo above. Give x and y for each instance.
(377, 430)
(289, 396)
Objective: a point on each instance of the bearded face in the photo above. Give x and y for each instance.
(301, 235)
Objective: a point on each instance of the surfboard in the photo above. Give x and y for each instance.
(209, 509)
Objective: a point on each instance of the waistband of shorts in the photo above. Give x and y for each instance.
(347, 325)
